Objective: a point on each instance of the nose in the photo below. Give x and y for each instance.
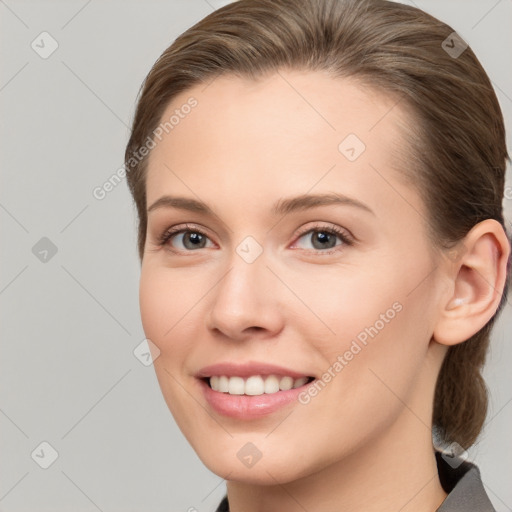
(246, 301)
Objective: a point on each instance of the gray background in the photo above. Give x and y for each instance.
(70, 322)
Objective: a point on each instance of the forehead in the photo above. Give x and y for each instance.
(288, 131)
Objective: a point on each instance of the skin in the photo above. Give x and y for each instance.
(364, 442)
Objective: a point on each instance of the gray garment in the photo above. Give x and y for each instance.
(463, 484)
(464, 487)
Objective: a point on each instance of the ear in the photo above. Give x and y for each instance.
(478, 272)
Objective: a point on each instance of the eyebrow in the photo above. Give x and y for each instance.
(281, 207)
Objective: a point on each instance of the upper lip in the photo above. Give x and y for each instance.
(247, 369)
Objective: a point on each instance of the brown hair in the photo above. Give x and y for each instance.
(457, 149)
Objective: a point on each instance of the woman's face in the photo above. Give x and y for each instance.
(263, 284)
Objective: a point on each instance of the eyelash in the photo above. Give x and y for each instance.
(166, 236)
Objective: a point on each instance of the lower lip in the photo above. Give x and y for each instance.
(247, 407)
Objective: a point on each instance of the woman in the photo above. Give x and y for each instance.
(319, 188)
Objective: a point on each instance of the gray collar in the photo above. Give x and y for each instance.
(462, 481)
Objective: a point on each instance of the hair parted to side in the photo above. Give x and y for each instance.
(456, 146)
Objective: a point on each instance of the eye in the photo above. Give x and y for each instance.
(187, 239)
(191, 238)
(323, 238)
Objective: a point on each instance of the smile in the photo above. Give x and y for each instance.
(255, 384)
(252, 389)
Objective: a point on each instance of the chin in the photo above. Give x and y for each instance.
(258, 461)
(269, 472)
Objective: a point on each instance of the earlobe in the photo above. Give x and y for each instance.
(478, 274)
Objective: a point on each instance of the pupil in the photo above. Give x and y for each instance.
(323, 236)
(195, 239)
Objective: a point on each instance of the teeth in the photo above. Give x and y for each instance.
(214, 383)
(271, 384)
(223, 384)
(255, 384)
(286, 383)
(297, 383)
(236, 386)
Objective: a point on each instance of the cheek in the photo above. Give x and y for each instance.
(163, 307)
(164, 295)
(358, 305)
(152, 302)
(381, 328)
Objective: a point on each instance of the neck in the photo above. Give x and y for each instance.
(397, 471)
